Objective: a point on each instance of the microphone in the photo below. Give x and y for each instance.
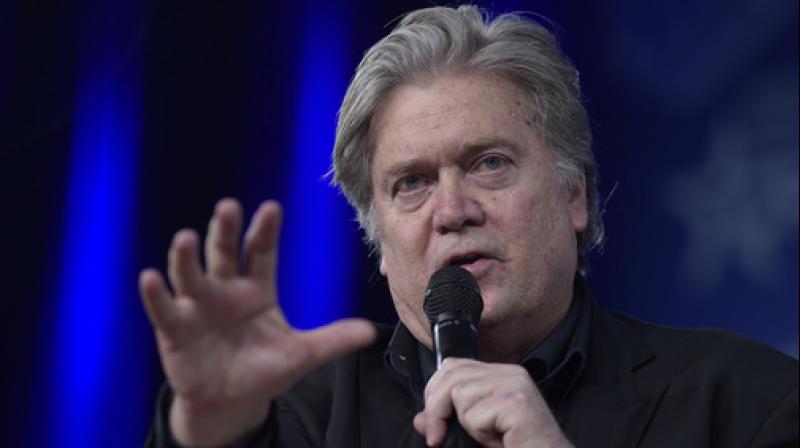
(453, 305)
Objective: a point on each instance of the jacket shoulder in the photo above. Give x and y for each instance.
(712, 384)
(711, 344)
(713, 355)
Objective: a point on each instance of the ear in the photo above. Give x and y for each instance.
(382, 265)
(576, 206)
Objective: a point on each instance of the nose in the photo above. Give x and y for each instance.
(455, 207)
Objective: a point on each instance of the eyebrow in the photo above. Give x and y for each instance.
(399, 169)
(467, 151)
(480, 145)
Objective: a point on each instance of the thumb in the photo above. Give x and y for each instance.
(337, 339)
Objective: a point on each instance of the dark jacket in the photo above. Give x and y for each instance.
(642, 386)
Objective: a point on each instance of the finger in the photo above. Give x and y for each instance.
(184, 270)
(157, 299)
(222, 241)
(435, 431)
(448, 366)
(439, 404)
(453, 371)
(438, 407)
(468, 394)
(481, 420)
(434, 434)
(500, 406)
(335, 340)
(419, 423)
(261, 244)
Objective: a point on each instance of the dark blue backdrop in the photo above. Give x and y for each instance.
(121, 122)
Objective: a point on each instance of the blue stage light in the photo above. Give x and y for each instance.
(98, 374)
(316, 256)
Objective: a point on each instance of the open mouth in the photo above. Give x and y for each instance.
(464, 260)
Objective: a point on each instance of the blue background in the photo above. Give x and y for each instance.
(121, 122)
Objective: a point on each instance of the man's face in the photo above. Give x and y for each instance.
(460, 176)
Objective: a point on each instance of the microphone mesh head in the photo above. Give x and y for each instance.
(452, 289)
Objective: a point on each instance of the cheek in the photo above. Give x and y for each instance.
(400, 267)
(518, 214)
(400, 254)
(402, 240)
(404, 259)
(529, 225)
(407, 289)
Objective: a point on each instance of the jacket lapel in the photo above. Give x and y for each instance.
(616, 400)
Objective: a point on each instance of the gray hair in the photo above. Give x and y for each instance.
(438, 41)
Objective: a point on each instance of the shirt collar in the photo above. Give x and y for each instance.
(402, 358)
(557, 363)
(570, 338)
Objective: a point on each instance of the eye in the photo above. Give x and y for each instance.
(409, 184)
(492, 162)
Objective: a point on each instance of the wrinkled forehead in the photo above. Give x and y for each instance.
(449, 112)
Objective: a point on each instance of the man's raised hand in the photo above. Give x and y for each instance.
(224, 343)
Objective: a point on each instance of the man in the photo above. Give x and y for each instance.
(464, 143)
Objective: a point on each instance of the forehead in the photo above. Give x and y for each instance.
(446, 114)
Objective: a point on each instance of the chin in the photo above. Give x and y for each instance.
(493, 304)
(489, 319)
(503, 310)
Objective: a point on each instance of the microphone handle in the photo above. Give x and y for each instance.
(455, 336)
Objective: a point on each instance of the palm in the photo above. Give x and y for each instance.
(223, 339)
(238, 345)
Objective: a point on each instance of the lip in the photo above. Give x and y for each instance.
(478, 267)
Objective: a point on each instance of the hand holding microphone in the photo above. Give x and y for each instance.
(453, 305)
(469, 403)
